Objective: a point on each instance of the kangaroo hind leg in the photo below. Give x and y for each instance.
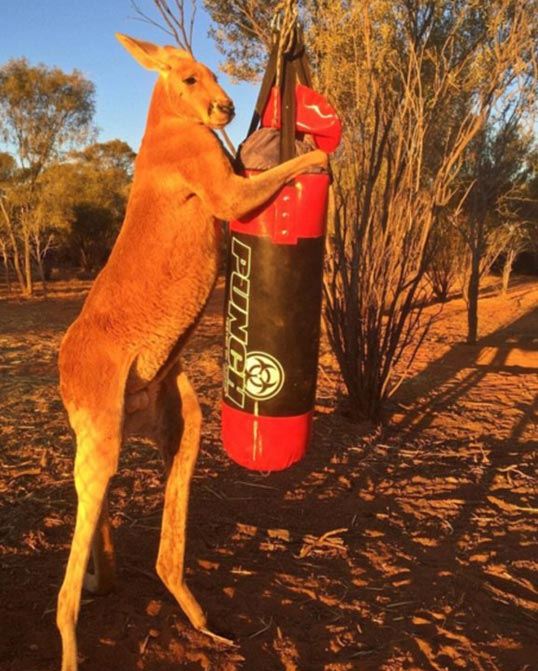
(96, 418)
(179, 420)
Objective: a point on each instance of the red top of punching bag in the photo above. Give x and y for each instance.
(314, 116)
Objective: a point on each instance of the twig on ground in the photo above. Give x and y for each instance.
(327, 541)
(255, 484)
(218, 495)
(512, 507)
(266, 627)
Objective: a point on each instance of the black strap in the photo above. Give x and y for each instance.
(294, 68)
(287, 108)
(265, 90)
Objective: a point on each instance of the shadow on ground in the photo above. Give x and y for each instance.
(409, 549)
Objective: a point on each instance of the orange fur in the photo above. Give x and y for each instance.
(119, 370)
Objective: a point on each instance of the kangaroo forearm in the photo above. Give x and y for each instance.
(256, 190)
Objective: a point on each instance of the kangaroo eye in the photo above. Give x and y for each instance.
(190, 81)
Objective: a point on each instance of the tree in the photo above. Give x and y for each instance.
(84, 199)
(495, 169)
(519, 209)
(9, 244)
(44, 113)
(7, 168)
(446, 257)
(114, 155)
(414, 81)
(96, 190)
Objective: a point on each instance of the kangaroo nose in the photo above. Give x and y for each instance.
(225, 106)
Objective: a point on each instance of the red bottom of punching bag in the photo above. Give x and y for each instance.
(264, 443)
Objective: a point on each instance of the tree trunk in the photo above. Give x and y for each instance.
(5, 261)
(507, 270)
(42, 277)
(7, 275)
(14, 247)
(84, 261)
(18, 269)
(29, 285)
(472, 295)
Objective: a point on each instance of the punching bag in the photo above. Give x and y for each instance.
(274, 283)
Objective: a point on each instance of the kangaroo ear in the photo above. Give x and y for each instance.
(150, 56)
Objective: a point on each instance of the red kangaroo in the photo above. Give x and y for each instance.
(119, 361)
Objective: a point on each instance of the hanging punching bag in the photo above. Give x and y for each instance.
(274, 283)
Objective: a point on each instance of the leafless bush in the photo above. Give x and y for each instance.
(413, 98)
(446, 256)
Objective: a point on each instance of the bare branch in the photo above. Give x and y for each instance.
(176, 23)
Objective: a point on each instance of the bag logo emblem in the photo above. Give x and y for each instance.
(264, 376)
(256, 375)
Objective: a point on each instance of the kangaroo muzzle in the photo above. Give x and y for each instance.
(224, 107)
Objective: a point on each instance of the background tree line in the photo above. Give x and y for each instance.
(62, 196)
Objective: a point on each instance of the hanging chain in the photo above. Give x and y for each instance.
(283, 26)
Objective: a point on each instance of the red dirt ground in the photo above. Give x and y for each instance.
(413, 547)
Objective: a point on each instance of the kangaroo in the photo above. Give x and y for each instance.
(120, 372)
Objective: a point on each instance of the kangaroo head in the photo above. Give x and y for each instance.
(191, 88)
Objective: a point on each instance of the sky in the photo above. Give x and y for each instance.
(79, 34)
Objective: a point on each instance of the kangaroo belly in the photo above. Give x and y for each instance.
(161, 344)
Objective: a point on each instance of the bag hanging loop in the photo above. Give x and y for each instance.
(284, 27)
(287, 64)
